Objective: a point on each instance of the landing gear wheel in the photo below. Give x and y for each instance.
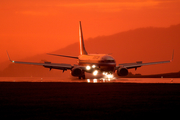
(83, 77)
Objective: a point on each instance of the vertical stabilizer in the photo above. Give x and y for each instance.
(81, 40)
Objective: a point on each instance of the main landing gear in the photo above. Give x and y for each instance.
(83, 77)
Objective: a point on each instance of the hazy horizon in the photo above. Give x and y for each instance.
(13, 53)
(145, 42)
(33, 27)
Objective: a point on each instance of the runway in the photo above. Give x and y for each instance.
(56, 98)
(91, 80)
(80, 100)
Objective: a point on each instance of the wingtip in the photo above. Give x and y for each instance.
(172, 56)
(8, 56)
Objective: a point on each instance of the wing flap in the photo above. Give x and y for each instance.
(50, 65)
(60, 66)
(139, 64)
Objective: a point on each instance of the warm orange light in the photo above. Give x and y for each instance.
(29, 28)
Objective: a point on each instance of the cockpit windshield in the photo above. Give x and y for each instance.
(107, 59)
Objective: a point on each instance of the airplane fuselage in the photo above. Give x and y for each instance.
(102, 62)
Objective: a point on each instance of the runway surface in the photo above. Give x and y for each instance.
(47, 98)
(91, 80)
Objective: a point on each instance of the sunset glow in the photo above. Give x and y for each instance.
(34, 27)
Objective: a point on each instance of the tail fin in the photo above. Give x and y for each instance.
(81, 40)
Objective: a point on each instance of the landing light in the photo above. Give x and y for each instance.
(88, 67)
(95, 72)
(109, 76)
(104, 73)
(94, 80)
(93, 66)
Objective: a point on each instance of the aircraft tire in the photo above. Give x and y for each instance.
(83, 76)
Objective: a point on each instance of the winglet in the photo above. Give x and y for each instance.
(172, 56)
(9, 57)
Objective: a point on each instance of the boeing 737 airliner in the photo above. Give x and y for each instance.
(91, 63)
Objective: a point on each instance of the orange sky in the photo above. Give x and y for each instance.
(29, 27)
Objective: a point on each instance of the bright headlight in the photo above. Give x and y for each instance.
(93, 66)
(104, 73)
(88, 67)
(109, 76)
(95, 72)
(94, 80)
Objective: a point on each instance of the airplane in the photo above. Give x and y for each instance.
(92, 63)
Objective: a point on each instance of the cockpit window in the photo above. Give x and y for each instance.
(107, 61)
(110, 61)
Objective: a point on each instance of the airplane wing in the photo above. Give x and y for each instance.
(140, 63)
(60, 66)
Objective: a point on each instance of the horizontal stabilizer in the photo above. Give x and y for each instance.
(63, 56)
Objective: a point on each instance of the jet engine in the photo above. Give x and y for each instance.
(77, 72)
(122, 71)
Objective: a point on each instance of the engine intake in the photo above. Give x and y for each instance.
(122, 71)
(77, 72)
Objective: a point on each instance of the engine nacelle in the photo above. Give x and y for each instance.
(77, 72)
(122, 71)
